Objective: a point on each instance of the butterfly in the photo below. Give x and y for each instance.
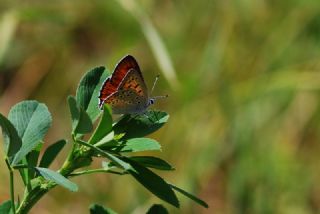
(125, 90)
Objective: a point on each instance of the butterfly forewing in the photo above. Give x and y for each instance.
(112, 84)
(131, 95)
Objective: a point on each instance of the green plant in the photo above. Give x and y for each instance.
(113, 142)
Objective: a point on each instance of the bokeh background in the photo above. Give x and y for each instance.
(243, 79)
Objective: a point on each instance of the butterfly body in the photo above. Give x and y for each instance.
(125, 90)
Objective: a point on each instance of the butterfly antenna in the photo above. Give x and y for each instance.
(160, 97)
(154, 83)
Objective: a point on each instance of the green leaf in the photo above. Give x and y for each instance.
(24, 173)
(81, 122)
(189, 195)
(153, 182)
(140, 144)
(93, 109)
(57, 178)
(157, 209)
(51, 153)
(107, 142)
(33, 156)
(5, 207)
(88, 91)
(141, 125)
(98, 209)
(87, 86)
(118, 162)
(104, 127)
(32, 121)
(84, 124)
(32, 159)
(74, 111)
(152, 162)
(111, 157)
(12, 141)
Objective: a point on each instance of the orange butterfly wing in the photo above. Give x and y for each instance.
(131, 96)
(112, 83)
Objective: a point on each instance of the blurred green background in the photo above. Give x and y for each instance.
(243, 79)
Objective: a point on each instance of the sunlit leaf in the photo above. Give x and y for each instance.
(140, 144)
(32, 121)
(107, 142)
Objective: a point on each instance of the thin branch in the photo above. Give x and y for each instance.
(21, 166)
(86, 172)
(13, 207)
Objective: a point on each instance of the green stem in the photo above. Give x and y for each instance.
(86, 172)
(33, 196)
(21, 166)
(100, 151)
(38, 191)
(31, 199)
(11, 186)
(71, 164)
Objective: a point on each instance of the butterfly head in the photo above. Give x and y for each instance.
(151, 101)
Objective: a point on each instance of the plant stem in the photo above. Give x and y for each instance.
(86, 172)
(21, 166)
(12, 192)
(38, 191)
(101, 152)
(33, 196)
(11, 186)
(72, 162)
